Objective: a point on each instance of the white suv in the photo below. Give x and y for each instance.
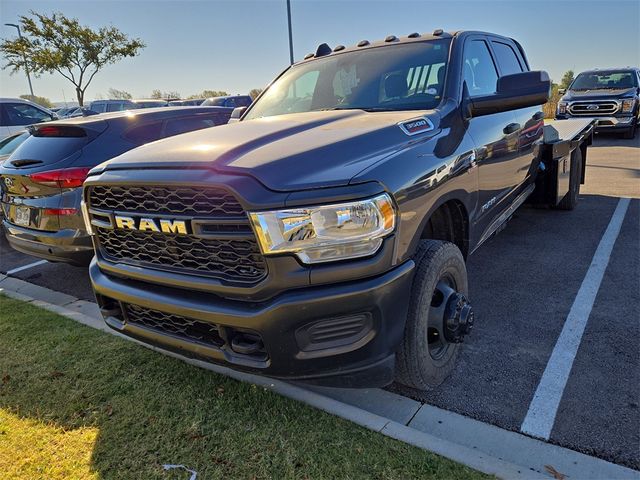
(16, 114)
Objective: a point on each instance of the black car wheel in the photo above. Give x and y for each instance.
(439, 316)
(631, 132)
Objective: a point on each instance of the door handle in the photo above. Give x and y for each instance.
(511, 128)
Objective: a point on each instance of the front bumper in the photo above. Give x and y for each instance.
(604, 123)
(286, 325)
(67, 245)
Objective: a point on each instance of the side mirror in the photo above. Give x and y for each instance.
(236, 114)
(519, 90)
(562, 91)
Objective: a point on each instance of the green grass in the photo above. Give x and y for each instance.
(76, 403)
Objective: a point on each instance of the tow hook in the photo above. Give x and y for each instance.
(458, 318)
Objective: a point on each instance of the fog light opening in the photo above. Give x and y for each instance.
(247, 344)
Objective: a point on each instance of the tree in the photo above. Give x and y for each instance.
(116, 94)
(159, 94)
(254, 93)
(213, 93)
(44, 101)
(567, 78)
(60, 44)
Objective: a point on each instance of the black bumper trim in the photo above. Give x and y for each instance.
(385, 297)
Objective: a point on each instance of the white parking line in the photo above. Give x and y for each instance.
(544, 406)
(26, 267)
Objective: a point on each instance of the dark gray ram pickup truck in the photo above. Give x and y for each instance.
(322, 236)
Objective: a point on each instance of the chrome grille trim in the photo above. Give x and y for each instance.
(586, 108)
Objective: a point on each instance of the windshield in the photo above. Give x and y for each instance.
(603, 80)
(402, 77)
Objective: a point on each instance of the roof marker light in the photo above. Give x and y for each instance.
(437, 32)
(413, 35)
(363, 43)
(391, 38)
(322, 50)
(338, 48)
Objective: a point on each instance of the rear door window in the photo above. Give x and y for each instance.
(146, 133)
(4, 118)
(176, 126)
(24, 114)
(115, 107)
(507, 58)
(243, 101)
(480, 72)
(99, 107)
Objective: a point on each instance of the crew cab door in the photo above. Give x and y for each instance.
(529, 121)
(495, 135)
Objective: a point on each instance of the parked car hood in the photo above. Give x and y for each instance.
(286, 152)
(609, 94)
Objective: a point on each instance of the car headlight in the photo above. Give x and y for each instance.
(326, 233)
(562, 108)
(627, 105)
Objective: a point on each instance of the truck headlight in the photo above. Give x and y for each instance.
(326, 233)
(562, 108)
(627, 105)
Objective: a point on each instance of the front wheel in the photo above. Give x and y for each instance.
(439, 316)
(630, 133)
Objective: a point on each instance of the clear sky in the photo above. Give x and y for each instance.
(239, 45)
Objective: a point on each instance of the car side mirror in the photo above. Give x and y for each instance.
(236, 114)
(519, 90)
(562, 91)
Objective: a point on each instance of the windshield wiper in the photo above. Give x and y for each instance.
(25, 163)
(373, 109)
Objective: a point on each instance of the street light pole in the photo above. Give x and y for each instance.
(290, 34)
(26, 65)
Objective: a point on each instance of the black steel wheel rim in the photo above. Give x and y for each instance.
(437, 343)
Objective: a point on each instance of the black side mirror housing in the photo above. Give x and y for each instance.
(515, 91)
(562, 91)
(236, 114)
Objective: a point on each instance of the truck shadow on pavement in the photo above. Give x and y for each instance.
(522, 285)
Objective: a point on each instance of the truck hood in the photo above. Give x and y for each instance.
(286, 152)
(608, 94)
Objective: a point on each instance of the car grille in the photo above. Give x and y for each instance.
(171, 324)
(588, 108)
(200, 201)
(225, 249)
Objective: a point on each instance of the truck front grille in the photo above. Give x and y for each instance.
(188, 328)
(230, 260)
(200, 201)
(594, 109)
(225, 247)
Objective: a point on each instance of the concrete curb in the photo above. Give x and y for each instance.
(477, 445)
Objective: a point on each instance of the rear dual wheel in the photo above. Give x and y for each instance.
(438, 319)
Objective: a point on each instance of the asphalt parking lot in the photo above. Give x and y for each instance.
(524, 284)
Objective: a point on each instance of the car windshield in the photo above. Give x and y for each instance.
(604, 80)
(402, 77)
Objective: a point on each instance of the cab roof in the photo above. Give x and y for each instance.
(390, 40)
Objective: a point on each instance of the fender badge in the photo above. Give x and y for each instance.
(416, 125)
